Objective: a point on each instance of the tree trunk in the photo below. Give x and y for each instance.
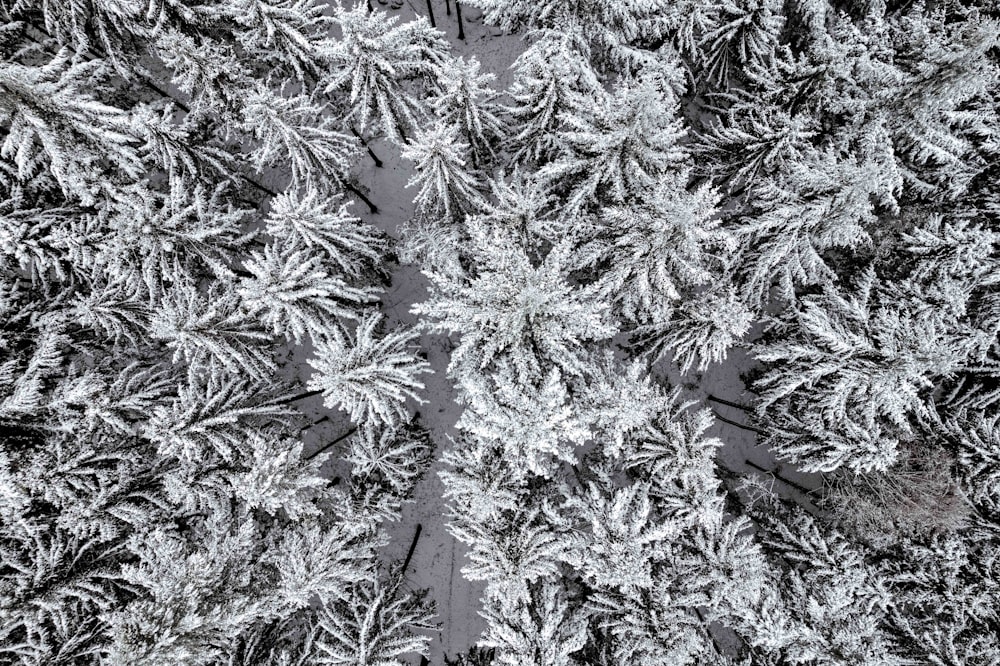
(313, 424)
(371, 153)
(295, 398)
(737, 424)
(728, 403)
(430, 14)
(413, 547)
(458, 14)
(327, 446)
(372, 208)
(447, 7)
(263, 188)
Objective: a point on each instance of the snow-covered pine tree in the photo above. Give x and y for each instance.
(514, 310)
(851, 377)
(535, 421)
(740, 34)
(207, 71)
(212, 329)
(658, 248)
(387, 463)
(367, 375)
(477, 482)
(655, 500)
(56, 126)
(321, 221)
(550, 78)
(825, 206)
(293, 132)
(464, 99)
(699, 332)
(292, 36)
(615, 147)
(373, 62)
(945, 591)
(617, 29)
(749, 142)
(376, 624)
(545, 628)
(510, 552)
(944, 108)
(448, 184)
(824, 603)
(953, 266)
(921, 329)
(209, 414)
(977, 436)
(294, 295)
(926, 594)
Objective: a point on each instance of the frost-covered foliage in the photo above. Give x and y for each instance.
(516, 310)
(853, 376)
(825, 604)
(660, 184)
(466, 100)
(373, 63)
(447, 187)
(675, 176)
(551, 77)
(369, 376)
(375, 625)
(161, 501)
(614, 148)
(387, 464)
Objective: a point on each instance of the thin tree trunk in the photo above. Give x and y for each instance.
(447, 7)
(334, 442)
(784, 480)
(413, 547)
(728, 403)
(263, 188)
(458, 14)
(708, 630)
(295, 398)
(372, 208)
(371, 153)
(313, 424)
(737, 424)
(430, 14)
